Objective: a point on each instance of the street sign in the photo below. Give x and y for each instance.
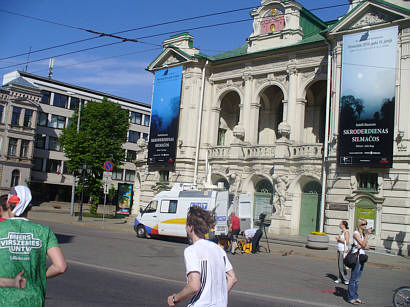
(108, 166)
(106, 188)
(107, 177)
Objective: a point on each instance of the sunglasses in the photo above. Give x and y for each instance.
(364, 224)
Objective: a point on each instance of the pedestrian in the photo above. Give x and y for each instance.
(235, 226)
(254, 235)
(25, 246)
(4, 214)
(342, 249)
(210, 275)
(360, 242)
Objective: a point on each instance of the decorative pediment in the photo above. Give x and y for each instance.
(169, 57)
(369, 14)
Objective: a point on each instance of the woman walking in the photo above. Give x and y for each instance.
(342, 248)
(360, 244)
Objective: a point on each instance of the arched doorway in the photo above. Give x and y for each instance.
(270, 115)
(263, 201)
(309, 208)
(229, 118)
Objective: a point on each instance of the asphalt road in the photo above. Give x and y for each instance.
(108, 268)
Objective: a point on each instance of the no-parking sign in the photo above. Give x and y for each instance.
(108, 166)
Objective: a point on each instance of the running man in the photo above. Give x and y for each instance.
(210, 275)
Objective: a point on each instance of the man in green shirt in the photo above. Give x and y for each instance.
(25, 245)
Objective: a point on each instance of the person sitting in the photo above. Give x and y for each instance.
(254, 235)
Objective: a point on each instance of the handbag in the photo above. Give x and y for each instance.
(351, 259)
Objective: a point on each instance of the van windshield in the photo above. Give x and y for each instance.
(152, 206)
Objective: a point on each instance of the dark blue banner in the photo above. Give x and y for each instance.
(368, 86)
(165, 116)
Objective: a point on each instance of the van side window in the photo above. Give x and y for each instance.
(169, 206)
(173, 206)
(152, 206)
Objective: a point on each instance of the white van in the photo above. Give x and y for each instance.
(166, 213)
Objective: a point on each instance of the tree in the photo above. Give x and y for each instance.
(103, 131)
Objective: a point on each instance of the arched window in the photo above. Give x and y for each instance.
(264, 186)
(15, 177)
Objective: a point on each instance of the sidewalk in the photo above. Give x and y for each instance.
(284, 245)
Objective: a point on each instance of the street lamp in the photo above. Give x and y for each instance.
(82, 172)
(78, 131)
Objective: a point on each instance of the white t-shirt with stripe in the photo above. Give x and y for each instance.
(211, 262)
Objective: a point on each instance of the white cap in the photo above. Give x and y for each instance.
(24, 194)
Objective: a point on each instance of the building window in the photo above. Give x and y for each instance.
(42, 119)
(28, 116)
(53, 166)
(163, 176)
(60, 100)
(46, 97)
(1, 113)
(57, 121)
(74, 103)
(15, 117)
(40, 141)
(24, 148)
(136, 118)
(12, 151)
(221, 137)
(15, 177)
(133, 136)
(145, 136)
(129, 175)
(53, 144)
(131, 155)
(367, 182)
(37, 164)
(146, 120)
(117, 175)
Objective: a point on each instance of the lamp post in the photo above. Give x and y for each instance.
(74, 179)
(82, 171)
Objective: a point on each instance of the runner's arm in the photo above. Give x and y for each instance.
(192, 287)
(18, 282)
(58, 265)
(231, 280)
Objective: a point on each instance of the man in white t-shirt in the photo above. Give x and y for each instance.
(210, 275)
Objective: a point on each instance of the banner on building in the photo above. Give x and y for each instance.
(124, 202)
(165, 116)
(366, 118)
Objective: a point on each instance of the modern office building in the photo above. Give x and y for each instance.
(33, 111)
(265, 119)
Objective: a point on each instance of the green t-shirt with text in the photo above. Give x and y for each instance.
(23, 246)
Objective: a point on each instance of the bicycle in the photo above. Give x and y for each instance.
(401, 297)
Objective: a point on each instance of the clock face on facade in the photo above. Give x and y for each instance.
(273, 21)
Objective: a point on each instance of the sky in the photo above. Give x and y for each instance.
(119, 69)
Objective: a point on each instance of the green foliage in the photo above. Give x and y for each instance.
(103, 131)
(93, 209)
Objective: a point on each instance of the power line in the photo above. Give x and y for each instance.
(101, 34)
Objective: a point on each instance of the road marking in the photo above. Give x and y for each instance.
(264, 296)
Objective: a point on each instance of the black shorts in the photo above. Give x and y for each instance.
(235, 232)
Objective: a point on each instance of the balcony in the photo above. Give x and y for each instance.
(251, 152)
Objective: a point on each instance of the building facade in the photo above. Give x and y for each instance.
(36, 110)
(263, 119)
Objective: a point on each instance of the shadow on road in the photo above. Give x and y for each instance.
(62, 239)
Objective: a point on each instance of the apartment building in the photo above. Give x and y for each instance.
(30, 144)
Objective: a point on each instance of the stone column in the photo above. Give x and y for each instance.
(254, 123)
(291, 112)
(246, 116)
(299, 125)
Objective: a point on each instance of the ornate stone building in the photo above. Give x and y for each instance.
(263, 119)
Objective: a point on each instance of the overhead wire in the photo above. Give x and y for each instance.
(101, 34)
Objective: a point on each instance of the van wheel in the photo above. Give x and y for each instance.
(141, 232)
